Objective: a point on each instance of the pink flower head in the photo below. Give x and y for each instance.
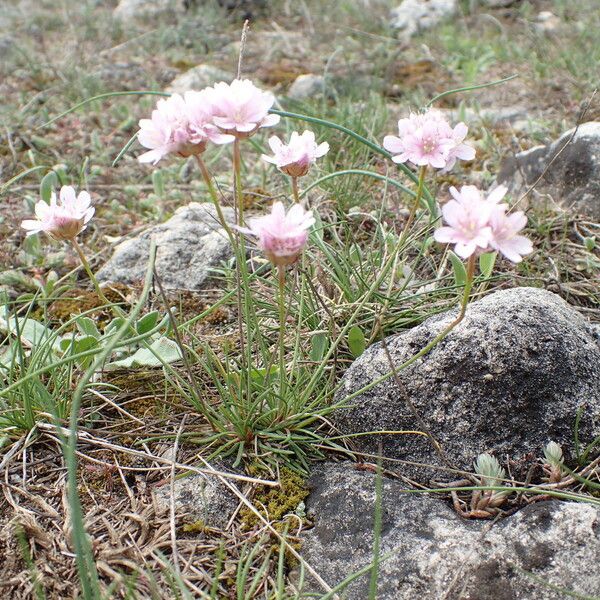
(477, 225)
(200, 116)
(63, 220)
(428, 140)
(240, 108)
(468, 218)
(167, 131)
(281, 236)
(295, 158)
(505, 229)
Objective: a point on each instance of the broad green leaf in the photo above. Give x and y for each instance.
(460, 273)
(61, 172)
(147, 322)
(165, 351)
(319, 345)
(32, 245)
(486, 263)
(30, 330)
(47, 185)
(356, 341)
(78, 345)
(114, 325)
(88, 327)
(260, 375)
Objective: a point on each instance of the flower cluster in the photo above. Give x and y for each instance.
(219, 114)
(295, 158)
(428, 140)
(475, 224)
(63, 219)
(223, 113)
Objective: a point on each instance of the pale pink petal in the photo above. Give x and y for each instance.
(393, 144)
(31, 224)
(464, 152)
(460, 132)
(270, 120)
(445, 235)
(67, 194)
(496, 195)
(465, 250)
(153, 156)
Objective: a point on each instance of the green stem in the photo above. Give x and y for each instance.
(237, 181)
(282, 369)
(377, 327)
(89, 272)
(295, 190)
(214, 197)
(415, 206)
(243, 306)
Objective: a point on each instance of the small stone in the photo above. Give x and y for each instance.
(546, 23)
(188, 246)
(569, 169)
(140, 10)
(546, 365)
(199, 499)
(198, 78)
(429, 552)
(414, 16)
(306, 86)
(7, 45)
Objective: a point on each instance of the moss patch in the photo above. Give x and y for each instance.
(276, 503)
(78, 301)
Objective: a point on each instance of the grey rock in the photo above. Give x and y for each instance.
(197, 78)
(507, 380)
(306, 86)
(199, 498)
(517, 117)
(435, 554)
(140, 10)
(569, 167)
(413, 16)
(189, 244)
(499, 3)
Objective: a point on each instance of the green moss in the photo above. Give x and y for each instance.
(195, 527)
(78, 301)
(276, 503)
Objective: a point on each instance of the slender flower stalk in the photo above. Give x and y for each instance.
(415, 206)
(377, 327)
(237, 182)
(282, 237)
(90, 273)
(295, 190)
(214, 197)
(282, 324)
